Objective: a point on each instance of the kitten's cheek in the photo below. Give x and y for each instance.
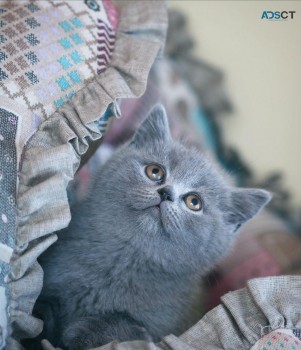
(141, 201)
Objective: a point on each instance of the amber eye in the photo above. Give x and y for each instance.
(193, 202)
(155, 172)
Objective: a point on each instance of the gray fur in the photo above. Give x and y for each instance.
(125, 269)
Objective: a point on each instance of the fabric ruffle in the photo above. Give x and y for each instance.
(53, 154)
(240, 321)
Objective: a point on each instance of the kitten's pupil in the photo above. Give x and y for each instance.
(155, 171)
(194, 202)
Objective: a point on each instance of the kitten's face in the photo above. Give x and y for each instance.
(169, 200)
(173, 191)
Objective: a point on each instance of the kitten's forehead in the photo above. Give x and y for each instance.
(191, 167)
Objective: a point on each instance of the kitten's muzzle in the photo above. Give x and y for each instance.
(166, 194)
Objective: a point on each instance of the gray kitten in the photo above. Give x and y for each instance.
(158, 216)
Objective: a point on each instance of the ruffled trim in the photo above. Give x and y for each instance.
(244, 316)
(53, 154)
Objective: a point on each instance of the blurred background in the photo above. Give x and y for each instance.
(230, 82)
(261, 64)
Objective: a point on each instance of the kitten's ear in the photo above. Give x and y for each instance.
(154, 128)
(245, 203)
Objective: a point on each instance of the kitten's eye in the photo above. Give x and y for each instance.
(193, 202)
(155, 172)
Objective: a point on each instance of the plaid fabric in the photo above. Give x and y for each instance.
(51, 49)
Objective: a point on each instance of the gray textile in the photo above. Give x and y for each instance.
(242, 318)
(8, 178)
(53, 154)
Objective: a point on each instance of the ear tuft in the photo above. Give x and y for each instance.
(154, 128)
(246, 203)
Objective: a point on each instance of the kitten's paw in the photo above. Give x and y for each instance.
(138, 333)
(90, 332)
(78, 336)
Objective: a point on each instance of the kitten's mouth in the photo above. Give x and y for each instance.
(156, 208)
(157, 213)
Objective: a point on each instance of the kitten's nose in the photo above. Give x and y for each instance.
(166, 194)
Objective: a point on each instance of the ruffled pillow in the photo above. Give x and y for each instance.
(64, 66)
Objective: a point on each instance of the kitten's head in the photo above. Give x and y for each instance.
(168, 201)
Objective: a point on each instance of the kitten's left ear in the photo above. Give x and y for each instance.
(246, 203)
(153, 129)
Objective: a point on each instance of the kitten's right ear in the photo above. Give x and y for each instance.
(154, 128)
